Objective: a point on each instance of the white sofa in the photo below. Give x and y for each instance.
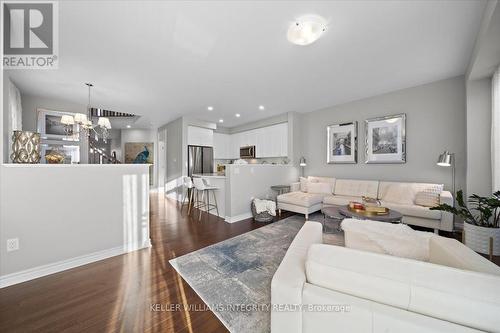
(345, 190)
(381, 293)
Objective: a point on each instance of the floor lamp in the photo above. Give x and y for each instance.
(302, 164)
(447, 159)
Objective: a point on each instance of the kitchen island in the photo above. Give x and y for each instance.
(244, 182)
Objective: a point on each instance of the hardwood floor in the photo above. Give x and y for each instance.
(117, 294)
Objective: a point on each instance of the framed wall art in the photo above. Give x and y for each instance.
(385, 139)
(342, 143)
(50, 127)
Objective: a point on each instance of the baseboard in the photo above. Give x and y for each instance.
(37, 272)
(232, 219)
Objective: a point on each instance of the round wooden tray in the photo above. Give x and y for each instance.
(365, 213)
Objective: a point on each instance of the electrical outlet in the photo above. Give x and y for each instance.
(12, 244)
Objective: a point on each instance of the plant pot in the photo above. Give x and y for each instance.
(478, 238)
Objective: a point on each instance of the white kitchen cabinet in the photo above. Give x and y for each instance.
(222, 146)
(269, 141)
(199, 136)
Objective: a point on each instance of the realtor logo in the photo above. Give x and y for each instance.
(30, 35)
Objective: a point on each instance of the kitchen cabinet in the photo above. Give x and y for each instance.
(199, 136)
(269, 141)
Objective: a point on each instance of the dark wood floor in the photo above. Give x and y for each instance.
(116, 294)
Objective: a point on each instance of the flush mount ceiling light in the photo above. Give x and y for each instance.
(306, 29)
(210, 108)
(221, 121)
(237, 115)
(261, 107)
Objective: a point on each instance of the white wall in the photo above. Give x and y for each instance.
(435, 122)
(58, 216)
(479, 137)
(141, 135)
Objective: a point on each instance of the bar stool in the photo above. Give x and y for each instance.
(187, 184)
(201, 186)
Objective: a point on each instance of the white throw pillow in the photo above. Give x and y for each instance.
(319, 188)
(303, 184)
(401, 193)
(429, 197)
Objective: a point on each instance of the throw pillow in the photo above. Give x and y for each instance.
(429, 197)
(303, 184)
(399, 193)
(319, 188)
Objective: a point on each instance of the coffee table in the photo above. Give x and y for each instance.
(393, 217)
(331, 212)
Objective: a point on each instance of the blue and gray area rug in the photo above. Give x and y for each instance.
(238, 271)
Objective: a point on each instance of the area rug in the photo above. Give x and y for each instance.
(238, 271)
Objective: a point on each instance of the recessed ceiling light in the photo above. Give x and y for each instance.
(128, 126)
(237, 115)
(261, 107)
(306, 29)
(210, 108)
(221, 121)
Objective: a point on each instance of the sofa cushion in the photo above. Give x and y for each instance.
(450, 252)
(403, 193)
(303, 184)
(356, 188)
(340, 200)
(314, 179)
(413, 210)
(301, 199)
(319, 188)
(428, 197)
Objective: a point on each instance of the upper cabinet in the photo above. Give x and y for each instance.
(199, 136)
(222, 146)
(272, 141)
(269, 141)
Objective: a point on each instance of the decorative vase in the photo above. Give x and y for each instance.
(478, 238)
(25, 147)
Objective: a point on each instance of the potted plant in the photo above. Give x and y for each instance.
(482, 221)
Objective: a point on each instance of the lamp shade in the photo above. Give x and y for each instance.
(445, 159)
(67, 120)
(302, 162)
(80, 118)
(104, 122)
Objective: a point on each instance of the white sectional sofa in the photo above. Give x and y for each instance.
(399, 196)
(324, 288)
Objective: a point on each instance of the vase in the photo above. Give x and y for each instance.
(478, 238)
(25, 147)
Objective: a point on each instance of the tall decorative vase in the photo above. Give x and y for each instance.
(25, 147)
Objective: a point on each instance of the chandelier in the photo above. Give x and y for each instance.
(84, 121)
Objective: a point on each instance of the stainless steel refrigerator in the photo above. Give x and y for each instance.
(200, 160)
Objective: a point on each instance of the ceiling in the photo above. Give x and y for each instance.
(163, 60)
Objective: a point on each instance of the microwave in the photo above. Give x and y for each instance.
(247, 152)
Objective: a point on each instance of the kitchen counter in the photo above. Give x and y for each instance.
(209, 175)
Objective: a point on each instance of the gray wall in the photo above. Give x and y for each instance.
(479, 137)
(30, 105)
(174, 148)
(435, 122)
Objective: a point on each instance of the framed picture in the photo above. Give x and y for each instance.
(69, 152)
(140, 153)
(386, 139)
(342, 143)
(50, 127)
